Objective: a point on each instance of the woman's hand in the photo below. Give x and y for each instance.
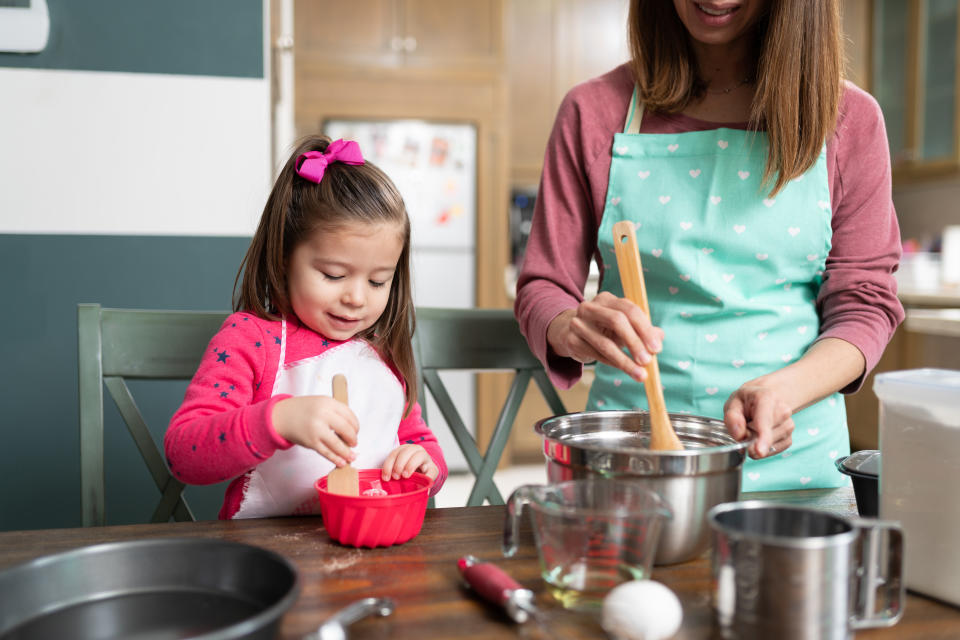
(320, 423)
(406, 459)
(599, 329)
(760, 408)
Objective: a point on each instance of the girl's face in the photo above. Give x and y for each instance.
(719, 22)
(339, 281)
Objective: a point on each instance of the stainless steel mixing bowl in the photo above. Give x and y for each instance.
(614, 443)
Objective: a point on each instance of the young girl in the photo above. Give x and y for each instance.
(325, 291)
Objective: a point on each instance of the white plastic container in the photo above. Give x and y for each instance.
(920, 473)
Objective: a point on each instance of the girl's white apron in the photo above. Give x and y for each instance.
(284, 483)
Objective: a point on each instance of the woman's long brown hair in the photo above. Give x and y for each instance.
(347, 194)
(799, 75)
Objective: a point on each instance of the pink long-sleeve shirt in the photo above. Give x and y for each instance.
(857, 301)
(224, 427)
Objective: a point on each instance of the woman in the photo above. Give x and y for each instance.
(759, 181)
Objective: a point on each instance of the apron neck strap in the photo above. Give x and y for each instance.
(634, 113)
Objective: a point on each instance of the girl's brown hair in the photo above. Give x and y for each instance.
(799, 75)
(297, 207)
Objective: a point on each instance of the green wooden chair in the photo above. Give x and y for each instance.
(115, 345)
(478, 340)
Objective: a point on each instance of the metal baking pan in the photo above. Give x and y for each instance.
(149, 589)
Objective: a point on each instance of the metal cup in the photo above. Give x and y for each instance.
(791, 572)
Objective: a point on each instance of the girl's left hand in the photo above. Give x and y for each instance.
(760, 408)
(406, 459)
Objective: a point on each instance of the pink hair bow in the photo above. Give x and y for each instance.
(312, 164)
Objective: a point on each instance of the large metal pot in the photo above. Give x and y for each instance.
(162, 588)
(615, 443)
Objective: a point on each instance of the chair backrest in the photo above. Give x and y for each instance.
(477, 339)
(115, 345)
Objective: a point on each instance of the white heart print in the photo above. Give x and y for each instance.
(753, 475)
(739, 228)
(657, 253)
(715, 199)
(727, 277)
(622, 150)
(694, 173)
(769, 202)
(615, 201)
(805, 479)
(686, 225)
(780, 280)
(762, 256)
(617, 382)
(643, 175)
(711, 337)
(672, 147)
(811, 257)
(685, 277)
(743, 174)
(664, 199)
(707, 250)
(793, 230)
(761, 335)
(786, 357)
(684, 364)
(833, 454)
(823, 204)
(686, 314)
(722, 144)
(673, 290)
(711, 390)
(801, 330)
(814, 431)
(738, 363)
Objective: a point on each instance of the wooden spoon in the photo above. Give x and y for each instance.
(342, 480)
(662, 435)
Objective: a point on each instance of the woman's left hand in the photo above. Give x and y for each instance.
(760, 409)
(406, 459)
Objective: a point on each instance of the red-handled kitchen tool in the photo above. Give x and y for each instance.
(494, 585)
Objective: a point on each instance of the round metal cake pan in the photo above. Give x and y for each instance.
(149, 589)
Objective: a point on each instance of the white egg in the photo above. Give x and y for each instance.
(641, 610)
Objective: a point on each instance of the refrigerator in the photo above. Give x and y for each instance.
(434, 165)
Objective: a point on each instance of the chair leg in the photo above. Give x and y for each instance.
(484, 487)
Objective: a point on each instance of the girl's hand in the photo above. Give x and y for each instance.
(759, 407)
(406, 459)
(320, 423)
(598, 330)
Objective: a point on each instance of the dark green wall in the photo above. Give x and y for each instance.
(45, 276)
(193, 37)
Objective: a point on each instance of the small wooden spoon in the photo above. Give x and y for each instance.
(662, 435)
(342, 480)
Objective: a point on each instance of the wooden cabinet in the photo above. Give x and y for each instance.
(551, 46)
(914, 78)
(465, 34)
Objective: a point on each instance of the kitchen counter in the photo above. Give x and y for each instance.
(938, 322)
(422, 577)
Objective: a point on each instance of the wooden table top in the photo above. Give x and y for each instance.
(422, 578)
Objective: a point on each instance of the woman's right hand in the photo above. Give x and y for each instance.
(599, 329)
(320, 423)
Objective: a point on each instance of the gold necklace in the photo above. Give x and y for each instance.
(745, 80)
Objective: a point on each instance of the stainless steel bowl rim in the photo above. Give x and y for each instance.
(686, 417)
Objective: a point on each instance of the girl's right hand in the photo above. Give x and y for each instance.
(320, 423)
(599, 329)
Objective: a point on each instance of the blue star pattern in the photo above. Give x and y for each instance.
(222, 356)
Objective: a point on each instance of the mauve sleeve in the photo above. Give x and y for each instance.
(220, 431)
(858, 298)
(560, 245)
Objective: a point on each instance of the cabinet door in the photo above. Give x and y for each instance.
(915, 49)
(442, 33)
(330, 33)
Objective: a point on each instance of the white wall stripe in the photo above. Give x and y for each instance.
(138, 154)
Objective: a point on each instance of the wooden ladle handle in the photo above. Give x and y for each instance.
(662, 435)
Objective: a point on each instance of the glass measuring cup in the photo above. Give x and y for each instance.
(591, 534)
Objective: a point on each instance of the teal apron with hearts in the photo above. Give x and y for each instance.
(732, 277)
